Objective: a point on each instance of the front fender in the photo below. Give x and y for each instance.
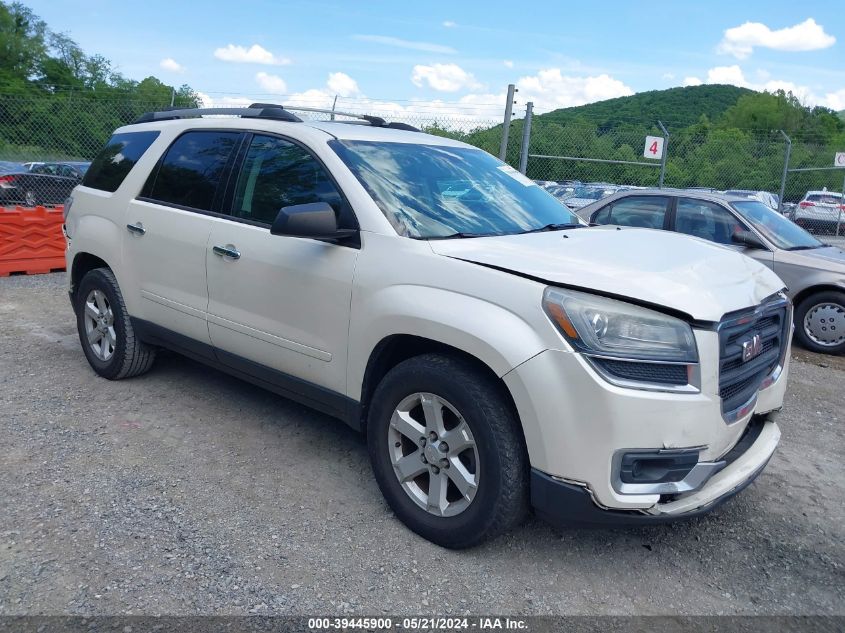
(491, 333)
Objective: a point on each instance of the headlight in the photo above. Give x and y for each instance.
(599, 326)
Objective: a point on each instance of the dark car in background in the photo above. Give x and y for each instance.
(814, 272)
(44, 183)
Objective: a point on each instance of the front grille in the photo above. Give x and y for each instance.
(739, 379)
(655, 373)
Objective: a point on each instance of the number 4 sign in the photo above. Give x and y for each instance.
(653, 147)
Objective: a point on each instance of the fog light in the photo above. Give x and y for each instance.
(652, 467)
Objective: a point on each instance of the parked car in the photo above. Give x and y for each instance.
(820, 211)
(496, 352)
(771, 200)
(588, 194)
(45, 183)
(7, 166)
(814, 272)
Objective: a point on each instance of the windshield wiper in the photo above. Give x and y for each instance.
(554, 227)
(460, 234)
(804, 248)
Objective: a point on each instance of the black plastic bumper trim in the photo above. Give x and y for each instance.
(567, 505)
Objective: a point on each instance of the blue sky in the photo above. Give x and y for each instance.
(462, 53)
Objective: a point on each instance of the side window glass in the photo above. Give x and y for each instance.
(603, 216)
(706, 220)
(642, 211)
(277, 173)
(191, 169)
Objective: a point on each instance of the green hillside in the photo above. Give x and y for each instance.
(676, 107)
(721, 136)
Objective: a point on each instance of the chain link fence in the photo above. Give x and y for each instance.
(47, 142)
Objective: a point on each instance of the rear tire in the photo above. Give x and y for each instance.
(820, 322)
(108, 340)
(461, 494)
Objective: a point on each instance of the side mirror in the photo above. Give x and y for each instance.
(316, 220)
(747, 238)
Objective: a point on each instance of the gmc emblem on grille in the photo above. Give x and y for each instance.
(751, 348)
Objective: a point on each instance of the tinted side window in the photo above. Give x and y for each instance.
(191, 169)
(276, 174)
(706, 220)
(117, 159)
(602, 216)
(642, 211)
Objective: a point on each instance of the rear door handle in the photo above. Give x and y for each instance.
(227, 251)
(137, 229)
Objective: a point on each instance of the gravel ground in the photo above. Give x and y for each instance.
(190, 492)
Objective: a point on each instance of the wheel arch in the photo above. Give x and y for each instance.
(396, 348)
(811, 290)
(83, 263)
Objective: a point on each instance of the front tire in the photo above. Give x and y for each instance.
(447, 451)
(108, 340)
(820, 322)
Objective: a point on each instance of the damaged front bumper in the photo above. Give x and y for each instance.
(563, 502)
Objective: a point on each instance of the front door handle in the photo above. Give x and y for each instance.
(227, 251)
(137, 228)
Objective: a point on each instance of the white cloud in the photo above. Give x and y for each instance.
(740, 41)
(342, 84)
(443, 77)
(449, 24)
(549, 89)
(207, 101)
(835, 100)
(508, 63)
(668, 76)
(427, 47)
(732, 75)
(271, 83)
(255, 54)
(171, 65)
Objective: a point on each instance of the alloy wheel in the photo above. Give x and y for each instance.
(99, 325)
(434, 454)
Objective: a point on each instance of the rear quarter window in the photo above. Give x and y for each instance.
(114, 162)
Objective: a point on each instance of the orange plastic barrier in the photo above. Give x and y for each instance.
(31, 240)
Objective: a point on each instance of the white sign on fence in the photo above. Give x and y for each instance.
(839, 159)
(653, 147)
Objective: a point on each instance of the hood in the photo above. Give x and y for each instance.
(689, 275)
(831, 258)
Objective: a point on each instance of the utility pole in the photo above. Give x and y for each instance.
(526, 137)
(785, 169)
(506, 127)
(665, 152)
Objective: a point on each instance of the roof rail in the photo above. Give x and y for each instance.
(256, 111)
(375, 121)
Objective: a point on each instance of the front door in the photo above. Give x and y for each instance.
(280, 302)
(713, 222)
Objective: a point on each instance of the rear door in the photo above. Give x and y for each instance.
(167, 231)
(649, 212)
(275, 301)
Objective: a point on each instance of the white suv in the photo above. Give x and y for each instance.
(497, 353)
